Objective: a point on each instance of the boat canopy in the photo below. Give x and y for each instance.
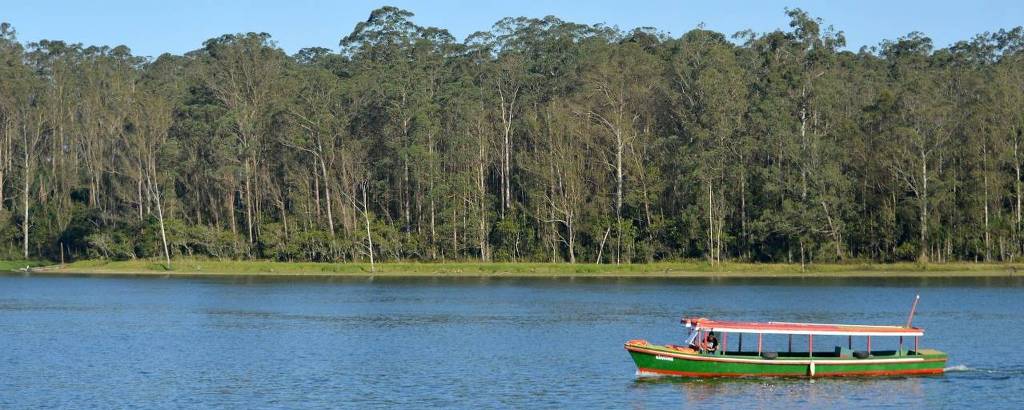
(789, 328)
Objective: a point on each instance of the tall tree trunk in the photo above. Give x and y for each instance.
(648, 219)
(327, 195)
(316, 193)
(138, 186)
(455, 232)
(284, 219)
(155, 192)
(923, 257)
(803, 147)
(94, 190)
(406, 196)
(600, 248)
(508, 167)
(572, 239)
(366, 220)
(553, 225)
(892, 222)
(482, 187)
(834, 231)
(5, 153)
(25, 192)
(988, 247)
(431, 175)
(1017, 187)
(231, 211)
(507, 115)
(619, 147)
(711, 226)
(743, 208)
(248, 202)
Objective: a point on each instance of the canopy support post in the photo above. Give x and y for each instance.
(910, 317)
(849, 342)
(759, 337)
(741, 343)
(791, 343)
(916, 340)
(901, 346)
(869, 345)
(725, 342)
(810, 345)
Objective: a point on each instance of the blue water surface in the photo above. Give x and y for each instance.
(471, 343)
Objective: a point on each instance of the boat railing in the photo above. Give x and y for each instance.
(840, 353)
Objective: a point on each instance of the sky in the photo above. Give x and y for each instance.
(153, 27)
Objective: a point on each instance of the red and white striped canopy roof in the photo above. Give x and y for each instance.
(789, 328)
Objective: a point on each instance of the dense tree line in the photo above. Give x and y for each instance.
(540, 140)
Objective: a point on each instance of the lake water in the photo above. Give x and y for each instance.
(469, 343)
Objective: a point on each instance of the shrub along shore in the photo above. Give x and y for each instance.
(217, 268)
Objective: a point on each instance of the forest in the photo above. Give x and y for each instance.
(539, 140)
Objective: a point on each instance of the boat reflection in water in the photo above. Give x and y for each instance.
(759, 392)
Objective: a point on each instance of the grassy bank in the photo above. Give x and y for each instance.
(8, 266)
(202, 267)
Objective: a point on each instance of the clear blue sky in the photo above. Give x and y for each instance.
(151, 27)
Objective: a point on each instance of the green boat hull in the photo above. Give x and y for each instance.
(664, 360)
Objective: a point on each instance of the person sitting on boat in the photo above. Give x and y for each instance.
(711, 343)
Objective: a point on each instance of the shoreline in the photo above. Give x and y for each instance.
(190, 268)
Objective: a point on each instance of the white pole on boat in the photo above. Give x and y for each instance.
(913, 307)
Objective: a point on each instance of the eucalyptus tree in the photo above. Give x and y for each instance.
(56, 63)
(620, 84)
(818, 104)
(708, 93)
(14, 75)
(23, 124)
(400, 67)
(535, 62)
(33, 133)
(151, 118)
(434, 48)
(471, 99)
(206, 169)
(920, 130)
(105, 81)
(510, 80)
(566, 163)
(792, 114)
(317, 113)
(1008, 107)
(974, 127)
(244, 73)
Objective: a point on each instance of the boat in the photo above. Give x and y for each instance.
(700, 358)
